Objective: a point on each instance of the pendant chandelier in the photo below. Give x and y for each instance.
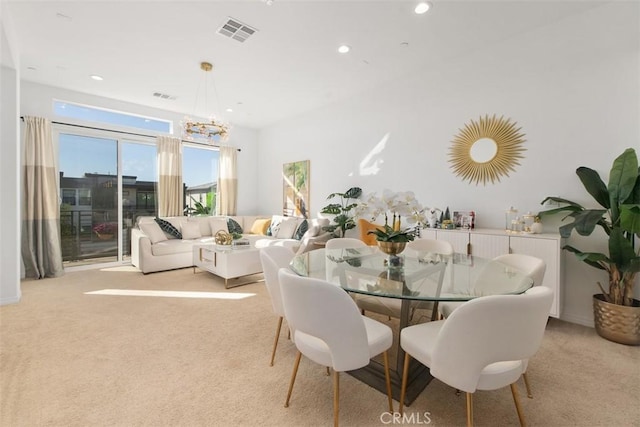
(211, 130)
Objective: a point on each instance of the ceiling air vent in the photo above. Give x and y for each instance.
(164, 96)
(236, 30)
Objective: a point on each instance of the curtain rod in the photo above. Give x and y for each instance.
(126, 133)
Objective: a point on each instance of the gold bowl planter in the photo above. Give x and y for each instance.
(392, 248)
(617, 323)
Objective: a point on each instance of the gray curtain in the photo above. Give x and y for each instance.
(170, 192)
(41, 250)
(226, 200)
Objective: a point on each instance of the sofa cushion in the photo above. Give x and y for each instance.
(313, 231)
(167, 227)
(203, 223)
(287, 228)
(171, 246)
(260, 226)
(153, 232)
(191, 230)
(301, 230)
(233, 226)
(217, 224)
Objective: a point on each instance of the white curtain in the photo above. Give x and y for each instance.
(41, 250)
(170, 192)
(226, 200)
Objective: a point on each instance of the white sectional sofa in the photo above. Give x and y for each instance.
(153, 249)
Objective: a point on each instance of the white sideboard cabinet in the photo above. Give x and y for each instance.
(489, 243)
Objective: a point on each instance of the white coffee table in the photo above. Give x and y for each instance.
(227, 263)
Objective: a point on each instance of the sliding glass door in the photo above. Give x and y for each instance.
(105, 185)
(89, 205)
(139, 184)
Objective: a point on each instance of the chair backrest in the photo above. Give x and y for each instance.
(345, 242)
(529, 265)
(487, 330)
(322, 310)
(365, 226)
(441, 247)
(273, 258)
(490, 280)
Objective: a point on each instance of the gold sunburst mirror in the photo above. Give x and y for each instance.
(486, 150)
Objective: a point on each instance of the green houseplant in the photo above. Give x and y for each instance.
(620, 220)
(343, 219)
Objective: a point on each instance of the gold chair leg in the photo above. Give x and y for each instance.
(289, 334)
(516, 400)
(405, 375)
(336, 397)
(387, 377)
(293, 378)
(526, 384)
(328, 371)
(275, 342)
(469, 409)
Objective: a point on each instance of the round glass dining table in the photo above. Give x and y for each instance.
(409, 278)
(369, 271)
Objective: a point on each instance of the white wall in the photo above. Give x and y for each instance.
(37, 100)
(9, 165)
(573, 86)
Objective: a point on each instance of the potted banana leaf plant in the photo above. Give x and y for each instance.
(616, 311)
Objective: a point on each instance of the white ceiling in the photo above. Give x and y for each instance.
(289, 66)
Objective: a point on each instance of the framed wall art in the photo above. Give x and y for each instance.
(464, 219)
(295, 177)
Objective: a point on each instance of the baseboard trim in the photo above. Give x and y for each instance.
(580, 320)
(11, 300)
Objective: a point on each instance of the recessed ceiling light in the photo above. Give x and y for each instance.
(96, 77)
(422, 7)
(229, 110)
(344, 48)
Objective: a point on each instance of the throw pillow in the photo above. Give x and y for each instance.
(218, 224)
(260, 226)
(153, 231)
(167, 227)
(276, 220)
(233, 226)
(287, 228)
(302, 228)
(191, 230)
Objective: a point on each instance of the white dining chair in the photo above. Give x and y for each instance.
(345, 243)
(327, 328)
(273, 258)
(530, 266)
(482, 345)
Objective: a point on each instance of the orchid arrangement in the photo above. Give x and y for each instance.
(395, 206)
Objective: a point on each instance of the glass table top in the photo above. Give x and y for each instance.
(415, 276)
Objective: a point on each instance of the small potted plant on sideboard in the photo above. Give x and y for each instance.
(616, 311)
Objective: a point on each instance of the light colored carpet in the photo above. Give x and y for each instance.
(68, 358)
